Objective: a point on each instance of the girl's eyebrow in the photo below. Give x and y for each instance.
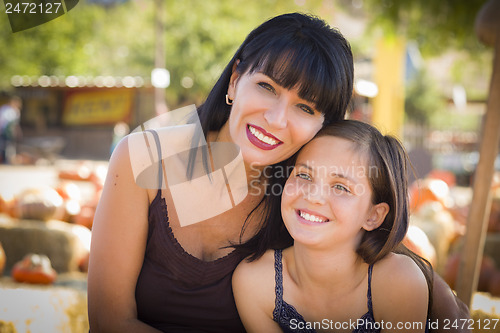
(339, 175)
(334, 174)
(304, 166)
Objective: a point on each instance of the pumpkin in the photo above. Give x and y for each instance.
(494, 284)
(82, 172)
(86, 216)
(69, 191)
(38, 204)
(3, 205)
(34, 268)
(417, 241)
(428, 190)
(486, 272)
(83, 264)
(3, 259)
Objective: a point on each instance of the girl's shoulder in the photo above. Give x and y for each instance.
(263, 267)
(253, 284)
(399, 288)
(397, 271)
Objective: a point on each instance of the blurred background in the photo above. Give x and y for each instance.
(92, 75)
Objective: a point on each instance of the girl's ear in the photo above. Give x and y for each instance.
(376, 216)
(232, 81)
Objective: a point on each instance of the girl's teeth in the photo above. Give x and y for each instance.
(311, 218)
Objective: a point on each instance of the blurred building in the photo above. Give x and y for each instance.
(74, 116)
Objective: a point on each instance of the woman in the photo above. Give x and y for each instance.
(147, 273)
(290, 77)
(346, 206)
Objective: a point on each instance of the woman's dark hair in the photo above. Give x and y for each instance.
(295, 50)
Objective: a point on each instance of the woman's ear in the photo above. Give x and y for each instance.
(376, 217)
(232, 81)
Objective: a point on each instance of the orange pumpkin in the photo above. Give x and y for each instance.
(83, 264)
(3, 206)
(3, 259)
(34, 268)
(82, 172)
(494, 284)
(486, 271)
(85, 217)
(428, 190)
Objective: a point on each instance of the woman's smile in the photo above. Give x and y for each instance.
(261, 138)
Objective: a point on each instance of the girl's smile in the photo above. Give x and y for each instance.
(309, 217)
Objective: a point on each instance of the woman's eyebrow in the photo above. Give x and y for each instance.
(275, 81)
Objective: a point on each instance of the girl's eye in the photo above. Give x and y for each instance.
(306, 108)
(267, 86)
(304, 176)
(341, 187)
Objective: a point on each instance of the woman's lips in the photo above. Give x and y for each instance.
(262, 139)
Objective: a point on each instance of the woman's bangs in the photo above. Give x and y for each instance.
(303, 69)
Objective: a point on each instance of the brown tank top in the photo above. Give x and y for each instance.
(177, 292)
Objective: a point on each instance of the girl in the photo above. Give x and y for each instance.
(345, 206)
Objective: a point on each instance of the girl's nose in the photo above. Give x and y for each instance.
(315, 193)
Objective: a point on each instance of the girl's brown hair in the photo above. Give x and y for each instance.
(389, 167)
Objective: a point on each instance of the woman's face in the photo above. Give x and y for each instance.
(268, 122)
(327, 199)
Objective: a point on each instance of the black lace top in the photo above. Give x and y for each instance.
(290, 320)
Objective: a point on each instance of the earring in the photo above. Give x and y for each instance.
(228, 101)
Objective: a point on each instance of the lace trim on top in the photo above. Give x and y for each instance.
(284, 313)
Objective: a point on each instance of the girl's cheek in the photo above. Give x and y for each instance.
(289, 192)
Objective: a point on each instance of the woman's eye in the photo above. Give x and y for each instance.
(304, 176)
(306, 108)
(267, 86)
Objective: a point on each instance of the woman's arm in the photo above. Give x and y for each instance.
(400, 295)
(253, 288)
(447, 309)
(119, 236)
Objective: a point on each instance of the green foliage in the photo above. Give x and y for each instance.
(450, 119)
(422, 98)
(119, 40)
(435, 25)
(202, 36)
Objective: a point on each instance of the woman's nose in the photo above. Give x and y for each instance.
(276, 116)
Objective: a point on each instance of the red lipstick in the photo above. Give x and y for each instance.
(260, 144)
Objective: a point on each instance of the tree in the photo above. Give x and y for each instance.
(118, 40)
(435, 25)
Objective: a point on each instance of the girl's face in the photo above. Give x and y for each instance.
(327, 200)
(268, 122)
